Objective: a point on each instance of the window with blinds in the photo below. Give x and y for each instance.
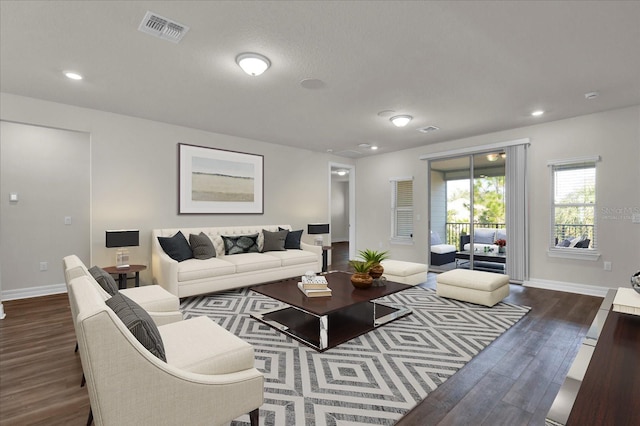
(574, 204)
(402, 209)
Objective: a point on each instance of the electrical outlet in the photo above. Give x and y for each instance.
(44, 266)
(607, 266)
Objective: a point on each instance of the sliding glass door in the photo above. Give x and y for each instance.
(468, 212)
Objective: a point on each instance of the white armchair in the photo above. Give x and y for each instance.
(208, 379)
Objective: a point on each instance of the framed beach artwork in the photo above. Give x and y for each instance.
(219, 181)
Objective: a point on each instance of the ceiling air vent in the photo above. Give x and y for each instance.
(428, 129)
(163, 28)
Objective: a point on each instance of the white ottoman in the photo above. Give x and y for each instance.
(404, 272)
(483, 288)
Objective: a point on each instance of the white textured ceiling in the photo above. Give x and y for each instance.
(466, 67)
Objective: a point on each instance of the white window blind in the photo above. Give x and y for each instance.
(402, 209)
(574, 204)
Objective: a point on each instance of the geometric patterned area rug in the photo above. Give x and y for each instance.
(373, 379)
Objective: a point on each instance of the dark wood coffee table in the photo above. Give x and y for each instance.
(326, 322)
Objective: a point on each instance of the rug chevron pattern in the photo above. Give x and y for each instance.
(373, 379)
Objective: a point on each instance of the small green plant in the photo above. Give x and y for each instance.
(373, 256)
(360, 266)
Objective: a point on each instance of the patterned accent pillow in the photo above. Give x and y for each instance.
(176, 247)
(105, 280)
(292, 242)
(240, 244)
(202, 246)
(139, 323)
(274, 241)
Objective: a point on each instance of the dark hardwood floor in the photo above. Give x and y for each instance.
(511, 382)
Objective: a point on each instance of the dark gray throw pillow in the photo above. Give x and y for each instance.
(293, 239)
(105, 280)
(202, 246)
(176, 247)
(274, 241)
(240, 244)
(139, 323)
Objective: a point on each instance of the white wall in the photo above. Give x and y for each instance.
(48, 169)
(339, 210)
(614, 135)
(134, 174)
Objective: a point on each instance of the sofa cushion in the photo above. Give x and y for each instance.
(484, 235)
(202, 246)
(105, 280)
(176, 247)
(435, 238)
(292, 241)
(248, 262)
(294, 257)
(194, 269)
(274, 241)
(153, 298)
(201, 346)
(139, 323)
(240, 244)
(501, 234)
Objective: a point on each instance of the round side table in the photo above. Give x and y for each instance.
(122, 274)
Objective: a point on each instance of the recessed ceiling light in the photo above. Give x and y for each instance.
(591, 95)
(342, 172)
(312, 83)
(401, 120)
(253, 64)
(537, 113)
(72, 75)
(365, 145)
(386, 113)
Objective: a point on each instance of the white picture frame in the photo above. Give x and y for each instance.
(217, 181)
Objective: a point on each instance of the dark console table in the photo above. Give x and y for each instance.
(609, 392)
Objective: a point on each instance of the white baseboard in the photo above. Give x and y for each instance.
(589, 290)
(25, 293)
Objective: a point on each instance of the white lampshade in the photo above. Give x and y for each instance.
(253, 63)
(401, 120)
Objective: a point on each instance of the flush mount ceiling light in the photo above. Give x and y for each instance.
(401, 120)
(253, 63)
(537, 113)
(374, 147)
(342, 172)
(493, 157)
(72, 75)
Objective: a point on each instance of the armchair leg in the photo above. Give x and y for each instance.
(76, 350)
(90, 418)
(83, 381)
(254, 416)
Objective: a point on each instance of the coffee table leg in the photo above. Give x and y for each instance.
(324, 331)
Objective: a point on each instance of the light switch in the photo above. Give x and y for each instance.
(67, 220)
(13, 197)
(635, 218)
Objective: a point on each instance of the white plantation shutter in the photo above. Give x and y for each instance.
(574, 201)
(402, 209)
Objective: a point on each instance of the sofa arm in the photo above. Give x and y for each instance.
(314, 249)
(164, 269)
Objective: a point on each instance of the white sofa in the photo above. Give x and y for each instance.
(484, 237)
(208, 377)
(225, 272)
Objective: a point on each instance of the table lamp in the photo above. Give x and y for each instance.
(318, 229)
(122, 238)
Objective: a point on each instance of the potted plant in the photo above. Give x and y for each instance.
(361, 277)
(374, 257)
(501, 243)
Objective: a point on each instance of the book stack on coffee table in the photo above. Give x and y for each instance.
(314, 287)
